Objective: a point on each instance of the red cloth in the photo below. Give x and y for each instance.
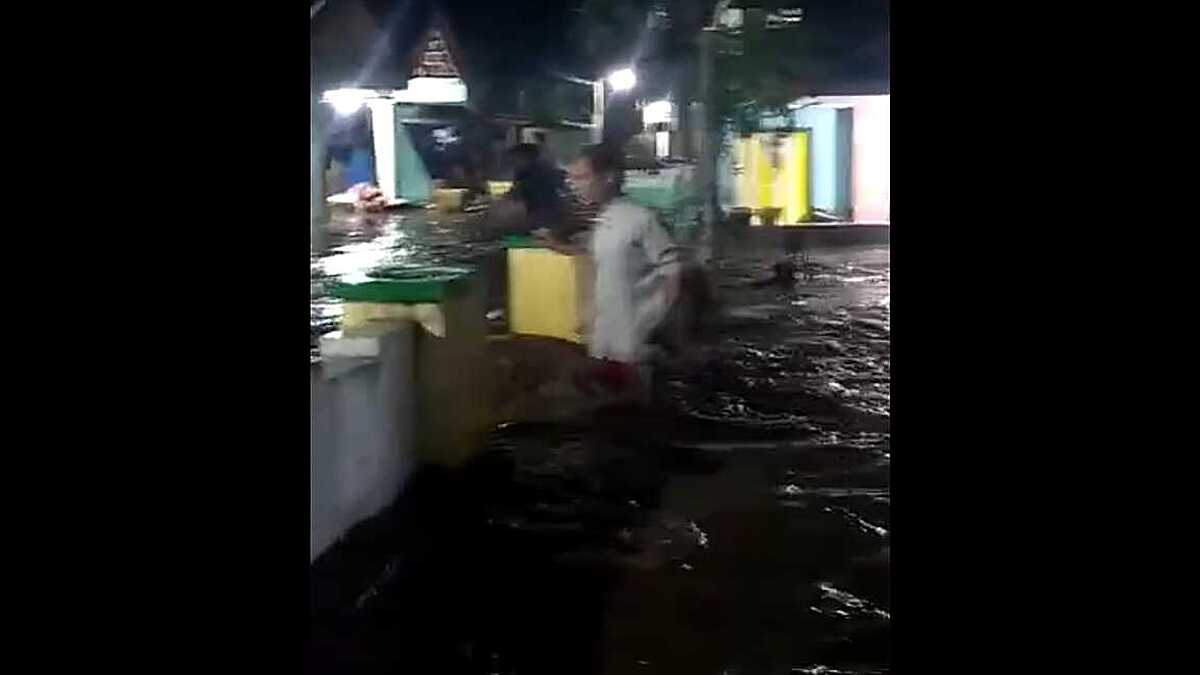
(612, 375)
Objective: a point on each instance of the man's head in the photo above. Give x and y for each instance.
(524, 154)
(597, 175)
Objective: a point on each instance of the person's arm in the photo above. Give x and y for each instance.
(550, 241)
(662, 255)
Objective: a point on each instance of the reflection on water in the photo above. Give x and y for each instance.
(355, 243)
(742, 527)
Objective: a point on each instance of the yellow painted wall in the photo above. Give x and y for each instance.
(774, 173)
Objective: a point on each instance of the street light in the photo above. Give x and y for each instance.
(623, 79)
(347, 101)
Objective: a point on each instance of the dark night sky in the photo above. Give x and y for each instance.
(515, 37)
(522, 37)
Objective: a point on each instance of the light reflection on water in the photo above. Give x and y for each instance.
(352, 244)
(796, 392)
(793, 403)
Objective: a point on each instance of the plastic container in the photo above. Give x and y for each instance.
(548, 292)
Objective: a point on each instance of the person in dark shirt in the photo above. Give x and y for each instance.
(539, 186)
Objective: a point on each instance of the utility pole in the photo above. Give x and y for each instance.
(710, 133)
(316, 158)
(706, 171)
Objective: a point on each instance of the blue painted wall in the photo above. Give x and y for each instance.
(830, 154)
(412, 178)
(843, 196)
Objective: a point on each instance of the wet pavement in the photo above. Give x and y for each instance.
(742, 525)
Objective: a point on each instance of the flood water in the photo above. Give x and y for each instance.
(740, 526)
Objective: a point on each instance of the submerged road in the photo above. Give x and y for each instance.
(742, 526)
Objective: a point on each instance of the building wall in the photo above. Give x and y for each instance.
(773, 171)
(361, 438)
(852, 155)
(563, 146)
(832, 167)
(851, 161)
(872, 159)
(824, 153)
(412, 176)
(844, 179)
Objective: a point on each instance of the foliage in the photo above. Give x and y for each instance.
(605, 32)
(756, 71)
(753, 73)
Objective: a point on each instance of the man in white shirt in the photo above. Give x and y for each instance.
(637, 269)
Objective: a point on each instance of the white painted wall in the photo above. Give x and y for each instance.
(871, 161)
(361, 437)
(871, 154)
(383, 132)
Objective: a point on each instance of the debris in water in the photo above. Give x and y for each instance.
(372, 591)
(858, 520)
(834, 492)
(823, 670)
(849, 600)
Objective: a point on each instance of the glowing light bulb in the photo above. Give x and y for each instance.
(346, 101)
(623, 79)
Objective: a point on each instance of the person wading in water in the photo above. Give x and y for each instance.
(636, 277)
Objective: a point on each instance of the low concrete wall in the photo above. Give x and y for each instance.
(361, 437)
